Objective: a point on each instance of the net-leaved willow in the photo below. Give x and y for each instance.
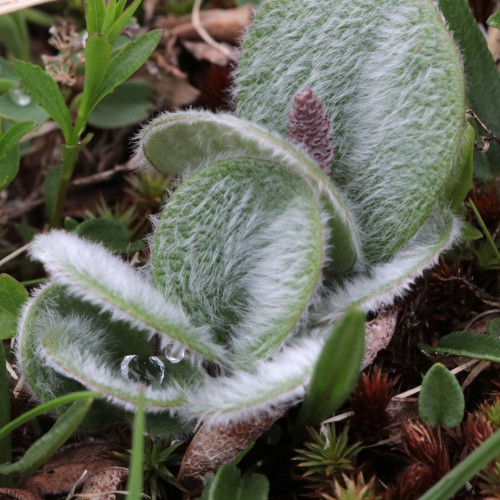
(259, 251)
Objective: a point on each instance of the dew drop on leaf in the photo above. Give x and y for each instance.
(147, 369)
(175, 353)
(19, 96)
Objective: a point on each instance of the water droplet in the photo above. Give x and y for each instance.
(19, 96)
(149, 370)
(175, 353)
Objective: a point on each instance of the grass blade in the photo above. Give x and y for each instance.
(40, 451)
(448, 485)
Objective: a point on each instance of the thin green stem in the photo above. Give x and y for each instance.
(69, 155)
(486, 233)
(136, 470)
(34, 282)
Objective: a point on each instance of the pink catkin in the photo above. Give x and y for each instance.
(309, 128)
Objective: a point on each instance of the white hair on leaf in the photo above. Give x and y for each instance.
(397, 112)
(272, 384)
(93, 274)
(393, 279)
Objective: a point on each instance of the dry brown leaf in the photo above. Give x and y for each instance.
(16, 494)
(379, 333)
(214, 446)
(62, 471)
(223, 25)
(171, 84)
(204, 52)
(100, 485)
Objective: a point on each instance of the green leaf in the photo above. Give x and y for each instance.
(196, 139)
(94, 13)
(62, 338)
(228, 485)
(70, 224)
(51, 189)
(400, 91)
(40, 451)
(130, 103)
(337, 369)
(9, 166)
(109, 15)
(97, 58)
(11, 425)
(236, 223)
(481, 74)
(14, 35)
(470, 232)
(13, 295)
(117, 27)
(441, 400)
(494, 20)
(111, 233)
(470, 344)
(13, 135)
(127, 61)
(44, 90)
(454, 480)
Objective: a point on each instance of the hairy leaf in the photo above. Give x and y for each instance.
(397, 118)
(198, 139)
(100, 278)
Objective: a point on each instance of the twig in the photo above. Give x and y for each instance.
(14, 254)
(204, 35)
(485, 139)
(104, 176)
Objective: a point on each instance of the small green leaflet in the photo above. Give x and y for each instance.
(470, 344)
(12, 297)
(441, 400)
(494, 20)
(228, 485)
(337, 369)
